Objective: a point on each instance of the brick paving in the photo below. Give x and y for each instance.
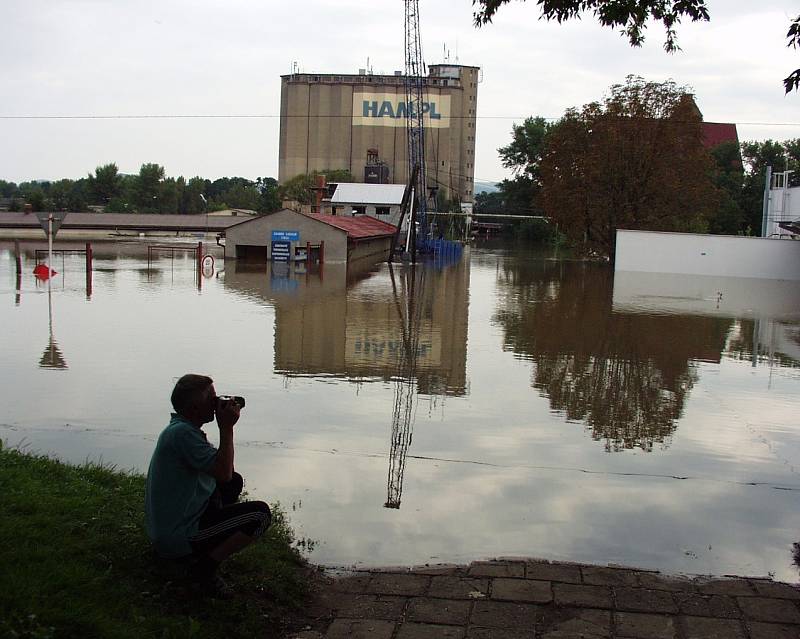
(531, 599)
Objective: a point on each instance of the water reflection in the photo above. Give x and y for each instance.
(627, 376)
(721, 500)
(766, 329)
(350, 324)
(52, 356)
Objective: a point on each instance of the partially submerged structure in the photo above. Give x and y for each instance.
(290, 236)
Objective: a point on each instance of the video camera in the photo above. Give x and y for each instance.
(222, 400)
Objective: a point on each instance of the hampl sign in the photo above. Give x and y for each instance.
(391, 109)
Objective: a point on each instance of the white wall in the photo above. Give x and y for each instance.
(695, 254)
(784, 205)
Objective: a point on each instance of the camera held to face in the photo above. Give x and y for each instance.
(223, 400)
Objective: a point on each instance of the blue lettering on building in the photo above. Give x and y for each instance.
(388, 109)
(370, 109)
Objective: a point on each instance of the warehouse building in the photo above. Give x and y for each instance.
(358, 123)
(289, 236)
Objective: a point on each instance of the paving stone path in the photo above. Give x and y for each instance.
(533, 599)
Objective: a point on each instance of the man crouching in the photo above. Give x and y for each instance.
(192, 489)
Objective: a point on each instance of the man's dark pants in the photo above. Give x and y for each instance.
(224, 517)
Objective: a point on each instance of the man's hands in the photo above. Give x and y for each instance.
(227, 414)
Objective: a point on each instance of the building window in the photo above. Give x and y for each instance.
(359, 210)
(382, 210)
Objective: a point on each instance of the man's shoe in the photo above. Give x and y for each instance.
(213, 586)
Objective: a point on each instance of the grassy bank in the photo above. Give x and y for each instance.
(75, 562)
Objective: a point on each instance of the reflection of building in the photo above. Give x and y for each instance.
(346, 325)
(358, 123)
(767, 312)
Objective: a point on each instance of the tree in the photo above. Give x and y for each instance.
(147, 188)
(8, 189)
(630, 15)
(524, 153)
(635, 161)
(300, 188)
(33, 193)
(728, 175)
(193, 194)
(269, 199)
(524, 156)
(68, 195)
(792, 81)
(105, 184)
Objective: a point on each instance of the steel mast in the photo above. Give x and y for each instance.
(415, 84)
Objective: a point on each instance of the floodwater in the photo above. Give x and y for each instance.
(549, 410)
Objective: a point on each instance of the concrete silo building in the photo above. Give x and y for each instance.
(358, 122)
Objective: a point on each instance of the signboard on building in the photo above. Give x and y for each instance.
(285, 236)
(281, 251)
(391, 109)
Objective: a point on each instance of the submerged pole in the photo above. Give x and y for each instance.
(88, 270)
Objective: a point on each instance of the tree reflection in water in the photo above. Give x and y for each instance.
(627, 376)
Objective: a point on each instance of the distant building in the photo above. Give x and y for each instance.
(715, 133)
(358, 123)
(381, 201)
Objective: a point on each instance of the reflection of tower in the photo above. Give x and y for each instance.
(52, 356)
(405, 383)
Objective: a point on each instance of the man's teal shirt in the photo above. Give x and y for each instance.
(179, 484)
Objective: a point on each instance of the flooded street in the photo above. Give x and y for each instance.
(551, 410)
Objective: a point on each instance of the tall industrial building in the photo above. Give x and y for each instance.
(358, 122)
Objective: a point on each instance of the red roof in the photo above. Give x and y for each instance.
(358, 228)
(715, 133)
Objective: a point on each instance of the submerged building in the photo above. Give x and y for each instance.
(358, 122)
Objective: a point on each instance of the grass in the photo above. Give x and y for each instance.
(75, 562)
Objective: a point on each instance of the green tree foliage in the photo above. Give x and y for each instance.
(149, 191)
(192, 197)
(792, 81)
(105, 184)
(33, 193)
(728, 177)
(523, 155)
(300, 188)
(147, 188)
(8, 189)
(68, 195)
(630, 16)
(268, 193)
(634, 161)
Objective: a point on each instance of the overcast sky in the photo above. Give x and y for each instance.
(225, 57)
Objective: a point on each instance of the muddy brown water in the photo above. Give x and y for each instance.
(549, 410)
